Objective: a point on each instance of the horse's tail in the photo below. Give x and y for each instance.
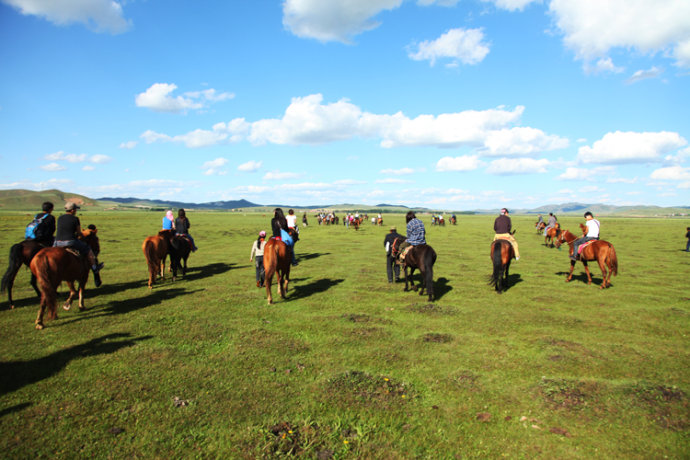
(613, 260)
(151, 257)
(429, 262)
(14, 265)
(40, 267)
(498, 264)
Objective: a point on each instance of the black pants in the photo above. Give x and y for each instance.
(579, 242)
(391, 267)
(260, 274)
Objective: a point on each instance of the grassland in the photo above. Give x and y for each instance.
(350, 366)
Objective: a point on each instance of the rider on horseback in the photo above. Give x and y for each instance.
(68, 227)
(593, 227)
(416, 234)
(279, 226)
(502, 227)
(45, 231)
(551, 223)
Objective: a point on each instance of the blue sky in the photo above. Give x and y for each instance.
(451, 104)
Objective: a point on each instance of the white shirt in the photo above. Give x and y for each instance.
(291, 220)
(592, 228)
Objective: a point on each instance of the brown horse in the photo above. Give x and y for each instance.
(52, 266)
(379, 221)
(552, 235)
(600, 250)
(422, 257)
(540, 226)
(20, 254)
(155, 250)
(277, 260)
(502, 253)
(356, 222)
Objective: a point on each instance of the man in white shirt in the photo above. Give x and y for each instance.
(593, 227)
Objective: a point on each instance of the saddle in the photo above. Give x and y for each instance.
(583, 246)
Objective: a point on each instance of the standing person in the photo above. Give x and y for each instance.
(687, 235)
(391, 266)
(304, 219)
(169, 220)
(502, 227)
(45, 225)
(68, 227)
(182, 225)
(279, 227)
(593, 227)
(258, 251)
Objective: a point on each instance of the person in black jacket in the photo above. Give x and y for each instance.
(68, 227)
(182, 227)
(391, 266)
(46, 230)
(279, 226)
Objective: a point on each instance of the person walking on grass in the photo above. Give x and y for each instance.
(258, 251)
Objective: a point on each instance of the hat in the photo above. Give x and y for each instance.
(70, 206)
(262, 233)
(393, 228)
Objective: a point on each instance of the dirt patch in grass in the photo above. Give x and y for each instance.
(435, 337)
(667, 406)
(367, 332)
(363, 389)
(466, 379)
(431, 309)
(565, 394)
(364, 318)
(309, 440)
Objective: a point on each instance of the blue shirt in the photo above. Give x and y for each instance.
(167, 223)
(415, 232)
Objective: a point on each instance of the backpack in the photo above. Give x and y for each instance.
(32, 230)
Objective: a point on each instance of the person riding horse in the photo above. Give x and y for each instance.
(68, 227)
(502, 227)
(593, 227)
(416, 233)
(279, 226)
(45, 231)
(551, 223)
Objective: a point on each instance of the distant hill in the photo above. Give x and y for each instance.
(27, 200)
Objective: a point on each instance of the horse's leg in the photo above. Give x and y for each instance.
(184, 270)
(589, 275)
(82, 283)
(602, 265)
(422, 283)
(267, 282)
(34, 284)
(406, 278)
(72, 293)
(570, 275)
(41, 310)
(412, 285)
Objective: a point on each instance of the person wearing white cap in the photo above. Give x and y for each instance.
(68, 228)
(258, 251)
(502, 227)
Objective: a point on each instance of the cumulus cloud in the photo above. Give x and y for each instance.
(72, 158)
(459, 45)
(278, 175)
(128, 145)
(640, 75)
(69, 157)
(461, 163)
(97, 15)
(520, 141)
(505, 166)
(158, 97)
(53, 167)
(671, 173)
(250, 166)
(333, 21)
(512, 5)
(631, 147)
(214, 167)
(582, 174)
(592, 28)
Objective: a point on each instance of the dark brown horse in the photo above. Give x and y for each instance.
(155, 250)
(421, 257)
(600, 250)
(277, 260)
(52, 266)
(552, 235)
(180, 248)
(20, 254)
(502, 253)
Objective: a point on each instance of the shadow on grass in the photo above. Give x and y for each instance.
(582, 277)
(197, 273)
(315, 287)
(441, 288)
(17, 374)
(15, 408)
(312, 255)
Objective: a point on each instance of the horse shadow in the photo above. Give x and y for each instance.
(196, 273)
(441, 288)
(312, 255)
(582, 277)
(314, 287)
(17, 374)
(512, 280)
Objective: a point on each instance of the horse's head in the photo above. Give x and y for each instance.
(564, 237)
(90, 237)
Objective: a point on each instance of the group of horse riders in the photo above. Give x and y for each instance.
(67, 230)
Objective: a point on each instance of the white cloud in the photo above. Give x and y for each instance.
(512, 5)
(505, 166)
(640, 75)
(88, 168)
(43, 185)
(592, 28)
(391, 180)
(128, 145)
(97, 15)
(333, 21)
(53, 167)
(99, 159)
(250, 166)
(580, 174)
(69, 157)
(605, 65)
(462, 163)
(398, 172)
(460, 45)
(671, 173)
(631, 147)
(214, 167)
(521, 141)
(277, 175)
(158, 97)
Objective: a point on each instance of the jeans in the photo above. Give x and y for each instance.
(391, 267)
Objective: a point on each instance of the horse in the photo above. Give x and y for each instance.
(502, 253)
(379, 221)
(356, 222)
(454, 220)
(52, 266)
(422, 257)
(601, 251)
(540, 226)
(277, 261)
(552, 234)
(20, 254)
(181, 247)
(155, 250)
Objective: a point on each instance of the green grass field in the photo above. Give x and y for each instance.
(349, 366)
